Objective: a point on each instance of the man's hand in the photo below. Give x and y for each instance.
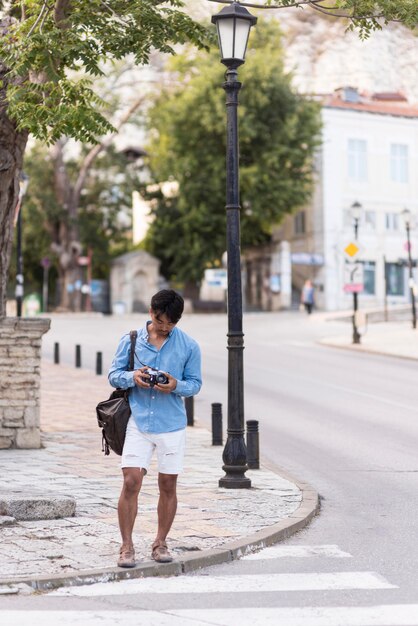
(168, 387)
(140, 378)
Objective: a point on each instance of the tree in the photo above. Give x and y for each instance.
(103, 209)
(279, 131)
(50, 51)
(364, 16)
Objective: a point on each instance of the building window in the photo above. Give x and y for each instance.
(299, 223)
(370, 220)
(395, 284)
(399, 163)
(357, 160)
(369, 277)
(392, 221)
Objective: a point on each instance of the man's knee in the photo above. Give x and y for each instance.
(167, 484)
(132, 479)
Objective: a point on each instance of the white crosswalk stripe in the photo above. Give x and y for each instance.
(381, 615)
(395, 615)
(253, 585)
(250, 583)
(96, 618)
(282, 551)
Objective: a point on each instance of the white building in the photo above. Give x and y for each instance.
(369, 155)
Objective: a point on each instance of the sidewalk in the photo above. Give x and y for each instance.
(386, 338)
(212, 525)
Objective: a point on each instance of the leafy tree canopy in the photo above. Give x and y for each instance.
(54, 49)
(105, 207)
(364, 16)
(278, 134)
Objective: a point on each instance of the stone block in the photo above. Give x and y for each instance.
(20, 354)
(16, 423)
(13, 413)
(28, 438)
(6, 520)
(37, 508)
(32, 416)
(6, 432)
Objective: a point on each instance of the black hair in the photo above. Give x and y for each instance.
(168, 302)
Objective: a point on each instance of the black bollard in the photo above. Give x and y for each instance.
(253, 446)
(99, 363)
(78, 355)
(216, 424)
(189, 404)
(56, 353)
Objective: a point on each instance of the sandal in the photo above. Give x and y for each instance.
(160, 552)
(126, 558)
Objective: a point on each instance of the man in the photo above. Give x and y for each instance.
(158, 420)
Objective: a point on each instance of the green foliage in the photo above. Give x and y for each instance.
(52, 61)
(108, 192)
(278, 134)
(365, 16)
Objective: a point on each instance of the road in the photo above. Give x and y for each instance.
(343, 421)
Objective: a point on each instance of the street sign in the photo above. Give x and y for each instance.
(353, 277)
(352, 250)
(216, 278)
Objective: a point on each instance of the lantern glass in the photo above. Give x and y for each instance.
(356, 210)
(242, 31)
(406, 216)
(233, 24)
(226, 37)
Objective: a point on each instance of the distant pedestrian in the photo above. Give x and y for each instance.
(307, 296)
(158, 420)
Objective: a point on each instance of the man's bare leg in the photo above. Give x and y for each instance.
(127, 511)
(167, 507)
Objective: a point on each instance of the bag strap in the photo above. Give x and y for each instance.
(133, 335)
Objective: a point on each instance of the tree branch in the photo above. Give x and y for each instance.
(97, 149)
(38, 19)
(60, 13)
(313, 4)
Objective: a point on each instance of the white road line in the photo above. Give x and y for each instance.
(382, 615)
(96, 618)
(386, 615)
(282, 551)
(251, 583)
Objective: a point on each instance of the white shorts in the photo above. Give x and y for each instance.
(139, 448)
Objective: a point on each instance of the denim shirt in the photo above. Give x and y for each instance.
(153, 411)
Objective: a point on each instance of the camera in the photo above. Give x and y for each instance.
(155, 377)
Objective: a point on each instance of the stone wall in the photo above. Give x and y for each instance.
(20, 360)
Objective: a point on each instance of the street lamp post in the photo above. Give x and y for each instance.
(233, 25)
(406, 214)
(356, 210)
(19, 289)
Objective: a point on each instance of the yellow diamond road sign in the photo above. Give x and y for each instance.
(351, 250)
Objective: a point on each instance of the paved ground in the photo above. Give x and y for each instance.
(390, 338)
(212, 524)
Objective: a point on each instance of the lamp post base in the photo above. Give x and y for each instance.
(234, 477)
(235, 463)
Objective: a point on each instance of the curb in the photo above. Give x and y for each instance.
(366, 349)
(231, 551)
